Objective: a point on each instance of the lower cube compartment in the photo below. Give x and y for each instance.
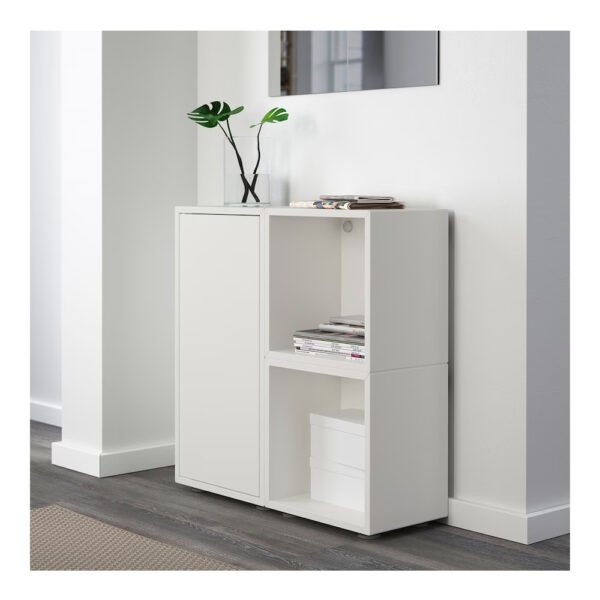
(316, 487)
(405, 439)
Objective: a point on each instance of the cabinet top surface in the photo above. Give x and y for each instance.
(287, 211)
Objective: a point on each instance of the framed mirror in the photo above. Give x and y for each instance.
(315, 62)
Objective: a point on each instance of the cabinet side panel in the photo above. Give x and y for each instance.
(219, 351)
(408, 289)
(352, 265)
(407, 424)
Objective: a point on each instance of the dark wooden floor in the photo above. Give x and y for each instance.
(150, 503)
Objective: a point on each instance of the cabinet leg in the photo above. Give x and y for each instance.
(197, 491)
(261, 507)
(362, 536)
(288, 516)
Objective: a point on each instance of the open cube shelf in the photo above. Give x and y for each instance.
(392, 267)
(405, 444)
(316, 271)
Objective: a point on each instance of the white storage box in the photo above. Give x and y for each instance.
(337, 458)
(338, 437)
(337, 484)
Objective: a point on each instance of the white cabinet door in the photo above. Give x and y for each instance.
(219, 351)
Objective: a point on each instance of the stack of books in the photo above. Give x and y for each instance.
(350, 203)
(343, 337)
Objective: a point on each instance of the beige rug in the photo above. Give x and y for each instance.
(62, 540)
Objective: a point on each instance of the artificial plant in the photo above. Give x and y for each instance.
(215, 113)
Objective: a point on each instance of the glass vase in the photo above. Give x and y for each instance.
(249, 187)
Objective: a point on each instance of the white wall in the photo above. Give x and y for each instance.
(548, 270)
(460, 145)
(129, 157)
(45, 381)
(149, 167)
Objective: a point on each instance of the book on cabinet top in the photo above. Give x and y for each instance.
(360, 199)
(346, 205)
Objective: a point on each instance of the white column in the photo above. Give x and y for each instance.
(129, 157)
(540, 427)
(81, 175)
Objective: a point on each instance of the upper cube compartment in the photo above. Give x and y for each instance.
(391, 266)
(317, 271)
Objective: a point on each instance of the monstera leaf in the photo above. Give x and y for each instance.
(209, 115)
(275, 115)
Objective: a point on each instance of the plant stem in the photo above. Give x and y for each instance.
(258, 148)
(245, 183)
(251, 190)
(254, 173)
(247, 186)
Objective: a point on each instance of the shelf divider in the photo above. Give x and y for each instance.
(289, 359)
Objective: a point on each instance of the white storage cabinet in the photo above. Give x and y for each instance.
(361, 445)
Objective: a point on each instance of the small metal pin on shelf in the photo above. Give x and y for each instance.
(347, 226)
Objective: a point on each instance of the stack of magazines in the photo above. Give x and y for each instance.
(343, 337)
(350, 203)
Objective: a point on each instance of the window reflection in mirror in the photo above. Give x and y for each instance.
(313, 62)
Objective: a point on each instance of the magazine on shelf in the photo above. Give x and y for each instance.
(341, 352)
(329, 346)
(343, 337)
(331, 336)
(342, 328)
(356, 320)
(334, 355)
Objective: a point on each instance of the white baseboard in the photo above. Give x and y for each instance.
(525, 528)
(106, 464)
(77, 459)
(139, 459)
(549, 523)
(45, 412)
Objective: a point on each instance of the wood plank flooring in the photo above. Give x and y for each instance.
(150, 503)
